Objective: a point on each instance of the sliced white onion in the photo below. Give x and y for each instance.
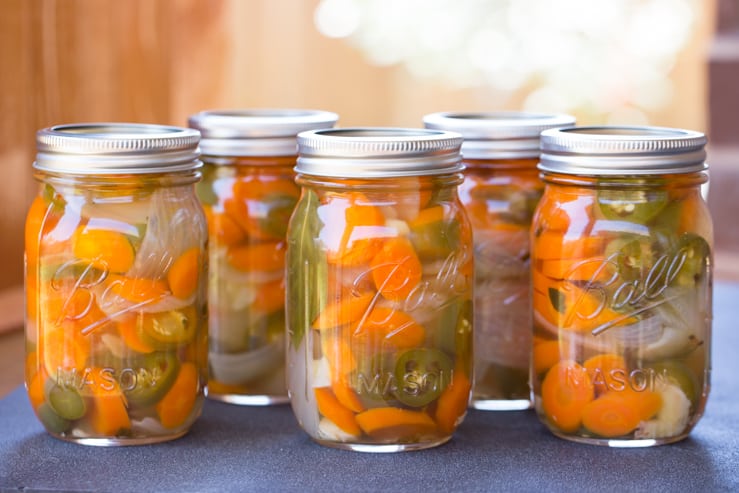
(239, 368)
(168, 234)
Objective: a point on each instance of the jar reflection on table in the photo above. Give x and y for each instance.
(379, 290)
(500, 191)
(622, 283)
(115, 284)
(248, 192)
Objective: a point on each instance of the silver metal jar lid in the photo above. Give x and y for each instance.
(376, 152)
(116, 148)
(500, 134)
(615, 150)
(256, 132)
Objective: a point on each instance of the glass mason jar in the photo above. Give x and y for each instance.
(622, 284)
(501, 188)
(379, 283)
(248, 192)
(115, 284)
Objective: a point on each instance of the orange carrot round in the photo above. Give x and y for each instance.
(182, 276)
(330, 407)
(348, 309)
(104, 249)
(395, 424)
(452, 403)
(258, 257)
(108, 414)
(346, 395)
(545, 355)
(396, 269)
(177, 404)
(565, 391)
(391, 326)
(619, 413)
(601, 369)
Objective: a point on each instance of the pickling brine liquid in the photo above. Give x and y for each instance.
(380, 312)
(622, 307)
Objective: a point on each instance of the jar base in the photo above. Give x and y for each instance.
(621, 443)
(118, 441)
(382, 448)
(249, 400)
(501, 404)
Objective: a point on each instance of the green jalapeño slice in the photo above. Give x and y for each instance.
(421, 375)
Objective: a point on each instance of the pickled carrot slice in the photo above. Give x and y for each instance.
(545, 355)
(346, 395)
(258, 257)
(390, 326)
(177, 404)
(452, 403)
(108, 415)
(106, 250)
(127, 328)
(36, 388)
(601, 367)
(566, 306)
(610, 416)
(558, 209)
(354, 229)
(330, 407)
(617, 413)
(38, 219)
(270, 296)
(138, 289)
(222, 228)
(62, 347)
(428, 216)
(347, 309)
(392, 423)
(552, 246)
(565, 391)
(335, 345)
(251, 195)
(182, 276)
(396, 269)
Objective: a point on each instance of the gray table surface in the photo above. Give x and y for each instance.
(232, 448)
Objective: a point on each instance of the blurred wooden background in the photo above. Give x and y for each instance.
(158, 61)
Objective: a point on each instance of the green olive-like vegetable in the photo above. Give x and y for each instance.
(638, 206)
(165, 329)
(279, 208)
(155, 375)
(51, 420)
(694, 252)
(435, 239)
(421, 375)
(66, 401)
(632, 255)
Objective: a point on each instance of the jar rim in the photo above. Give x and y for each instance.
(378, 152)
(498, 134)
(256, 131)
(622, 150)
(116, 148)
